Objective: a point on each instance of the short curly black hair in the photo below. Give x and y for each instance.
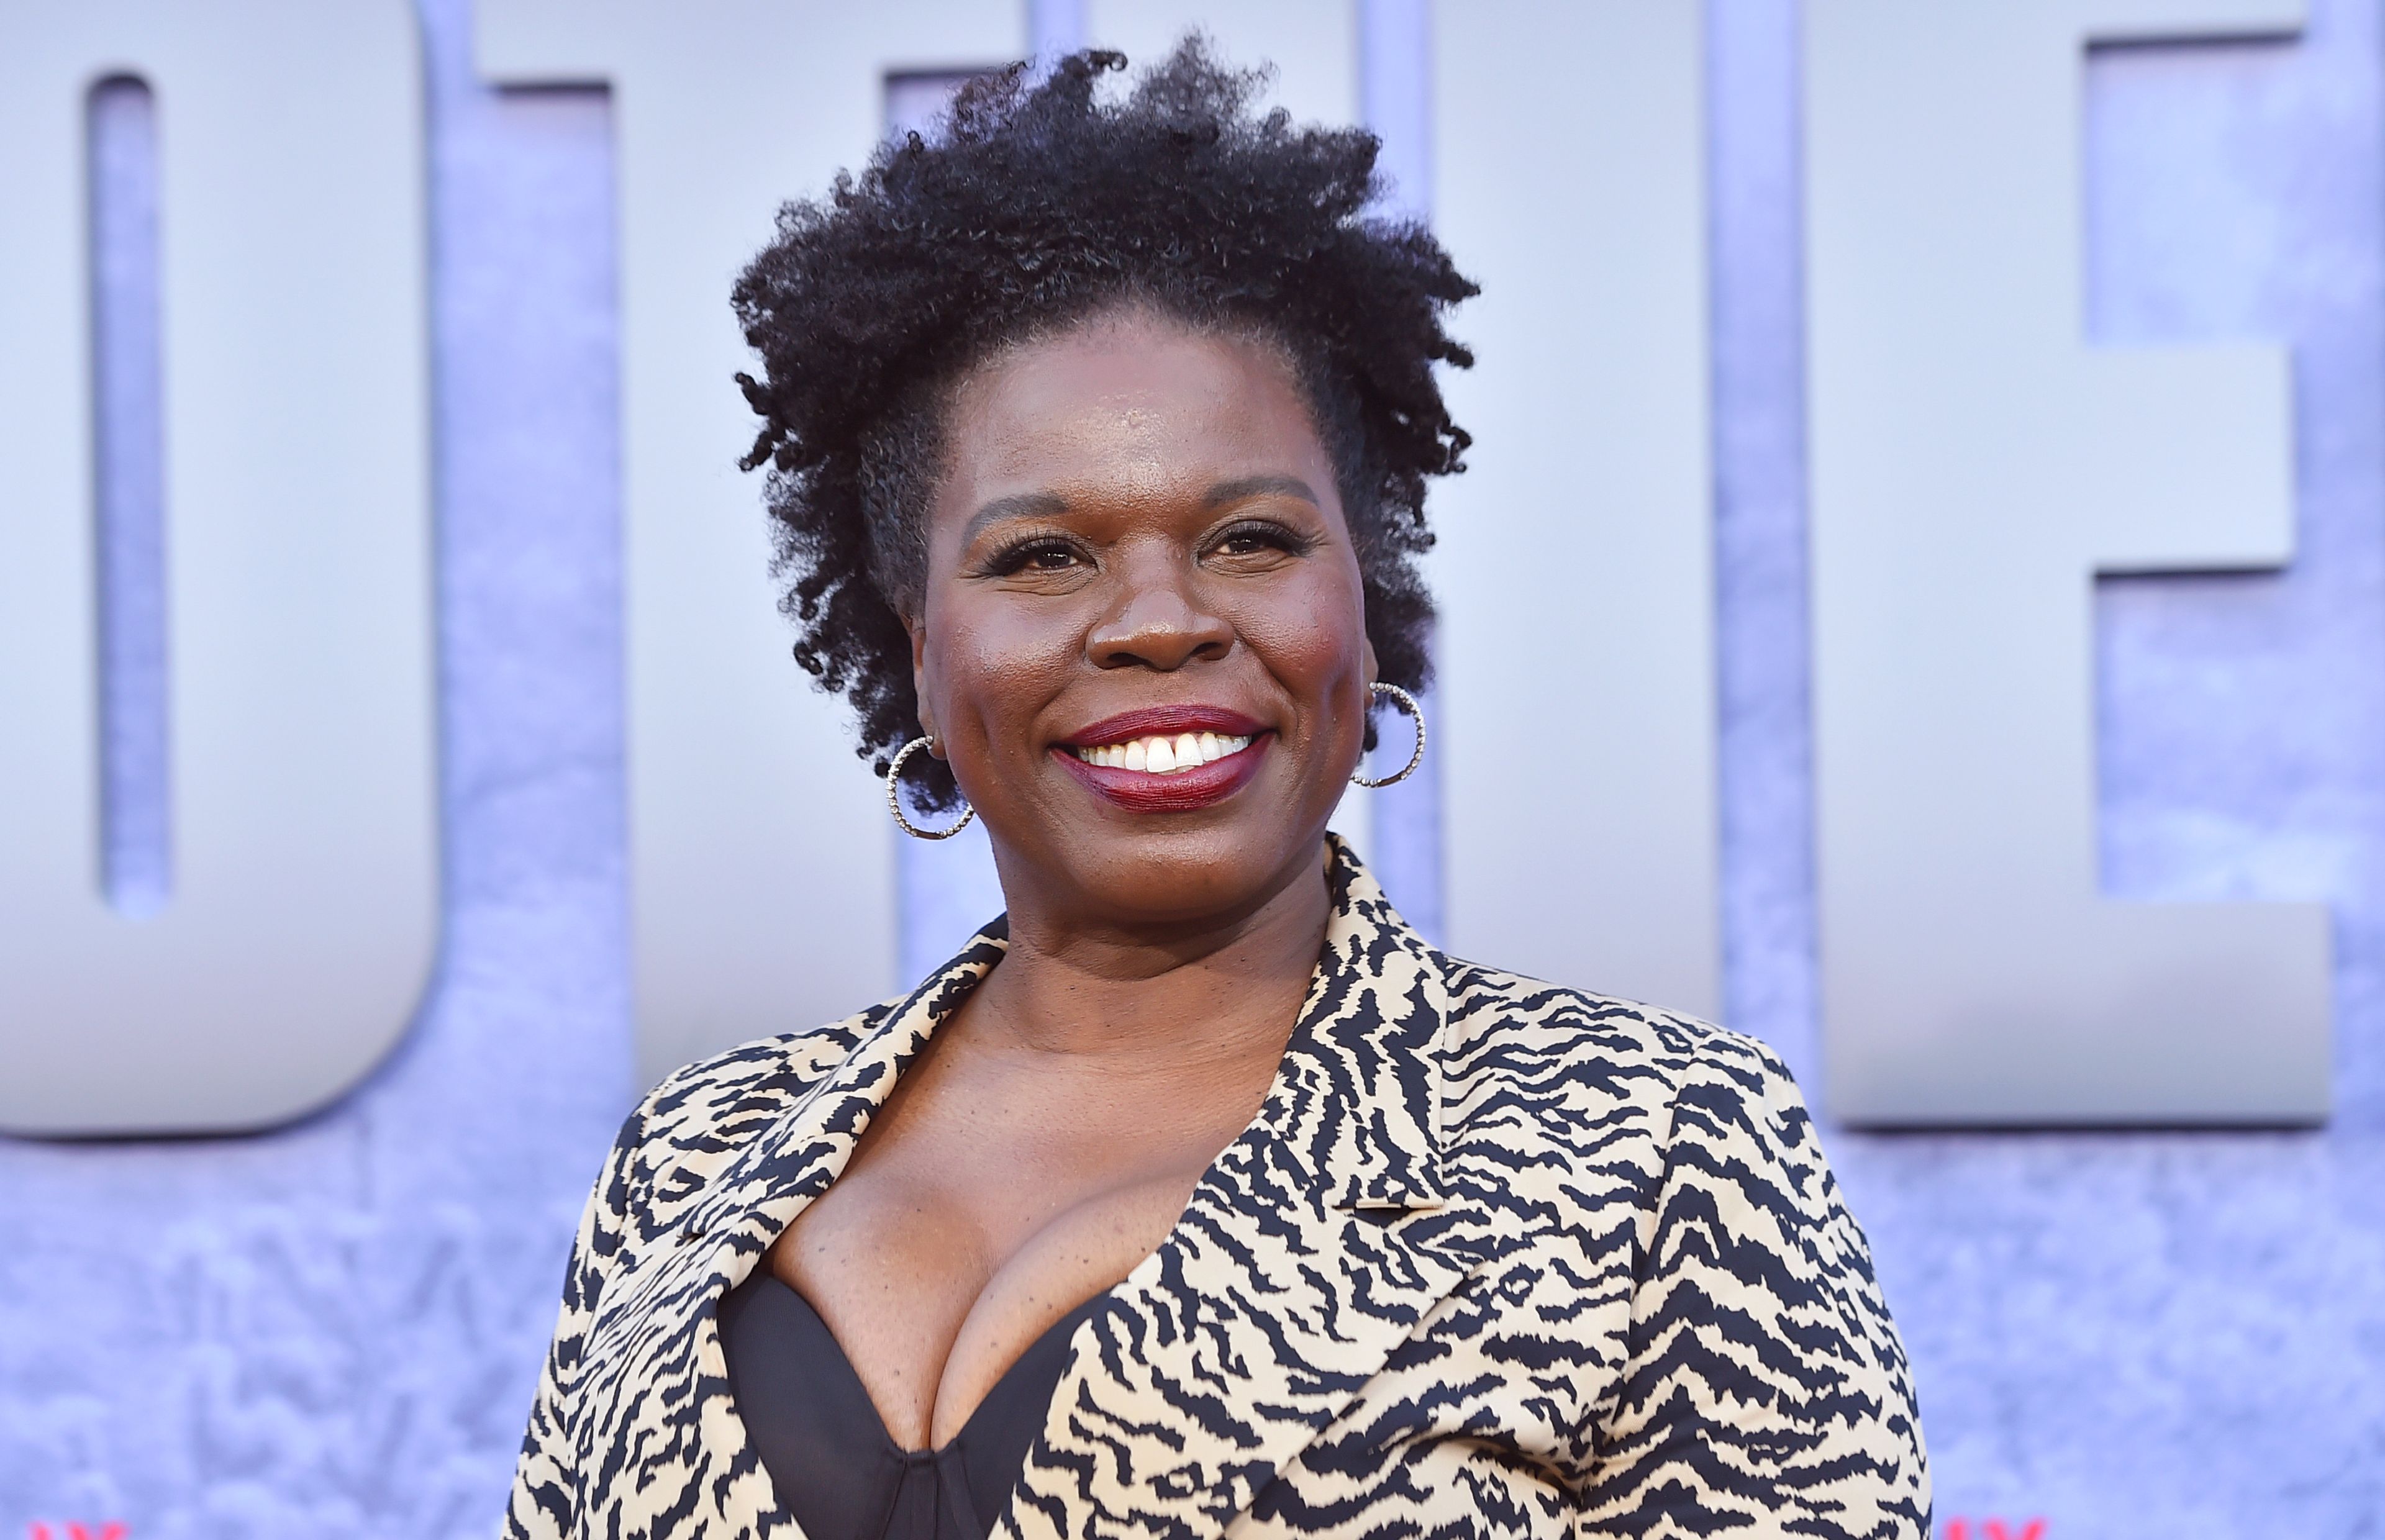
(1034, 204)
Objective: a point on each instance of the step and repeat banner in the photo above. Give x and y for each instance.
(1918, 594)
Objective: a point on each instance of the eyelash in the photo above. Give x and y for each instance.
(1288, 540)
(1014, 558)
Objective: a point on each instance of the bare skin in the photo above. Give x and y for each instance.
(1134, 515)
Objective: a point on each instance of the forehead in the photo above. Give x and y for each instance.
(1132, 398)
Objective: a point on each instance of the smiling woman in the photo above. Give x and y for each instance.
(1198, 1193)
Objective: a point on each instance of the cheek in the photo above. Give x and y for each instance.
(1312, 636)
(996, 664)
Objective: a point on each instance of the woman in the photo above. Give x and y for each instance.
(1199, 1193)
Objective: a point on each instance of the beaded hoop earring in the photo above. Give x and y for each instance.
(895, 797)
(1407, 703)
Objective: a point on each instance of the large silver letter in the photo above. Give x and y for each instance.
(763, 893)
(1576, 564)
(1974, 466)
(305, 909)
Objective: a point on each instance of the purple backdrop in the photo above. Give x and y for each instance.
(332, 1330)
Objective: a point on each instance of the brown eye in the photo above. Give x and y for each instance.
(1260, 539)
(1043, 556)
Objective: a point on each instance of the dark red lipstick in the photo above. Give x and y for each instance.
(1178, 791)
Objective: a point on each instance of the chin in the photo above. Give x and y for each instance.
(1185, 875)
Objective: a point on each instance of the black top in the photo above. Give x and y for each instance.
(829, 1458)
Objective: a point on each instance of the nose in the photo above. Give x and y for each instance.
(1158, 623)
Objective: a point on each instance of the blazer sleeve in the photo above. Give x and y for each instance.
(545, 1499)
(1766, 1393)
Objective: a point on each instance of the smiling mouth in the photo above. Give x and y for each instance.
(1161, 754)
(1167, 758)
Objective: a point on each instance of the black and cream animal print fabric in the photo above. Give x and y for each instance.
(1493, 1259)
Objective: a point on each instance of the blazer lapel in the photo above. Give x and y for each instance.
(1314, 1248)
(765, 1155)
(779, 1147)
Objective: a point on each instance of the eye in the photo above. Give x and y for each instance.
(1260, 538)
(1042, 553)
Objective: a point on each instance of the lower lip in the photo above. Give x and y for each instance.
(1180, 791)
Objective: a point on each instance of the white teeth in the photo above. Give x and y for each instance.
(1165, 756)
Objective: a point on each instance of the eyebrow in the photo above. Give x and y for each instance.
(1260, 486)
(1052, 505)
(1024, 505)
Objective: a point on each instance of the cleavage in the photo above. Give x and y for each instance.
(907, 1281)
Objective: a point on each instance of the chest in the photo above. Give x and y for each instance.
(976, 1212)
(977, 1151)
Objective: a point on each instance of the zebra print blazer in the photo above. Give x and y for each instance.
(1494, 1258)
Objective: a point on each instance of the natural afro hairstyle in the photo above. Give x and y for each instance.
(1038, 204)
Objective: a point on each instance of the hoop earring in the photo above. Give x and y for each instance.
(1407, 703)
(895, 797)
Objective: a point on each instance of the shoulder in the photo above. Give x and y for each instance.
(1561, 1052)
(1649, 1100)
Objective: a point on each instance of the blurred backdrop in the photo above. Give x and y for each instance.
(1950, 443)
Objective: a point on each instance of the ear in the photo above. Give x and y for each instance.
(1367, 651)
(917, 627)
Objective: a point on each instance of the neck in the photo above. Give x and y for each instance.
(1220, 987)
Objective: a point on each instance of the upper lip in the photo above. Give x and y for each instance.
(1163, 721)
